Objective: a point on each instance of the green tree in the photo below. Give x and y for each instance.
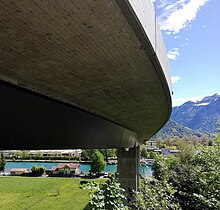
(207, 166)
(210, 142)
(2, 162)
(18, 154)
(90, 152)
(195, 140)
(98, 162)
(154, 195)
(105, 153)
(185, 182)
(87, 154)
(112, 152)
(204, 140)
(144, 153)
(187, 153)
(197, 184)
(159, 142)
(152, 155)
(197, 179)
(39, 154)
(176, 140)
(24, 154)
(163, 165)
(108, 153)
(38, 170)
(168, 141)
(160, 168)
(185, 139)
(84, 155)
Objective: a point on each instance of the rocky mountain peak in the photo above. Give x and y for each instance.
(202, 115)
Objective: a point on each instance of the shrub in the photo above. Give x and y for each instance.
(38, 170)
(154, 195)
(108, 195)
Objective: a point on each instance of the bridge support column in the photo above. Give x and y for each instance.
(128, 168)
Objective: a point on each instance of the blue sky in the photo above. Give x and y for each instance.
(191, 31)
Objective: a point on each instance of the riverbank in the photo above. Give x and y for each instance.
(49, 161)
(84, 166)
(111, 162)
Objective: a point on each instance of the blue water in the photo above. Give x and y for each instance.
(83, 167)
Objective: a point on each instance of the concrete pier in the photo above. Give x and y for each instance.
(128, 168)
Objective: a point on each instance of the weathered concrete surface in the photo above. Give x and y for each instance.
(90, 54)
(128, 168)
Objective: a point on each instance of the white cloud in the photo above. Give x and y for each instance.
(152, 1)
(177, 15)
(182, 100)
(173, 54)
(185, 44)
(175, 79)
(204, 26)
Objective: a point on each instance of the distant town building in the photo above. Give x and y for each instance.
(57, 153)
(45, 153)
(151, 148)
(165, 151)
(10, 153)
(174, 152)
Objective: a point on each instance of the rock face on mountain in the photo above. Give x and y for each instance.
(201, 115)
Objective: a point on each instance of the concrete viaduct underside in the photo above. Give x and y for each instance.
(81, 74)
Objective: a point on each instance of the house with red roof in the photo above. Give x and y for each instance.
(18, 171)
(66, 169)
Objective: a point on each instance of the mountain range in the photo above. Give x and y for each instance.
(193, 118)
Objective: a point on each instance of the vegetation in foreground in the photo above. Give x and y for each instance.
(2, 162)
(190, 181)
(107, 195)
(193, 176)
(42, 193)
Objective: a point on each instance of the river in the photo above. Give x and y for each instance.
(84, 167)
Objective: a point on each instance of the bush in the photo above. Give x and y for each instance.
(38, 170)
(154, 195)
(106, 196)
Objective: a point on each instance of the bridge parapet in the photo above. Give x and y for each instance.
(148, 30)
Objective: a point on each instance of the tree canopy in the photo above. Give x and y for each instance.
(38, 170)
(193, 175)
(98, 162)
(2, 162)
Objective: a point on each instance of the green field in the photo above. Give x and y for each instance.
(42, 193)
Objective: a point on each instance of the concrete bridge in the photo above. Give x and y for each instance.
(82, 74)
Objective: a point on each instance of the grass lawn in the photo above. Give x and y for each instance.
(42, 193)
